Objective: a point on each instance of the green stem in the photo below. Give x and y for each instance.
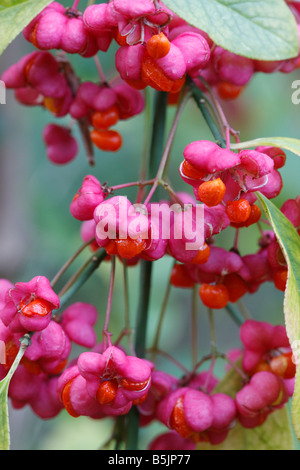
(233, 314)
(143, 307)
(70, 261)
(119, 432)
(4, 385)
(156, 150)
(172, 193)
(235, 367)
(194, 325)
(147, 137)
(157, 139)
(158, 132)
(81, 276)
(171, 359)
(213, 339)
(25, 341)
(132, 429)
(160, 321)
(146, 145)
(161, 171)
(105, 333)
(126, 297)
(127, 331)
(141, 329)
(201, 103)
(243, 309)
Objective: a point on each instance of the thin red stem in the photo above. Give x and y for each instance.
(134, 183)
(106, 334)
(70, 261)
(236, 239)
(100, 69)
(221, 116)
(166, 153)
(75, 4)
(171, 359)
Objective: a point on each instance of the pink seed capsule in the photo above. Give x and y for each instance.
(61, 146)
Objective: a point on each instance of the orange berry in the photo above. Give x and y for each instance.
(121, 40)
(94, 246)
(212, 192)
(280, 258)
(130, 247)
(134, 386)
(177, 85)
(53, 104)
(180, 277)
(37, 307)
(236, 286)
(139, 401)
(283, 366)
(59, 368)
(32, 366)
(111, 248)
(105, 119)
(191, 172)
(254, 217)
(228, 91)
(33, 35)
(214, 296)
(158, 46)
(106, 140)
(11, 351)
(202, 255)
(154, 76)
(174, 93)
(280, 398)
(238, 211)
(178, 422)
(261, 366)
(28, 67)
(280, 276)
(107, 391)
(173, 98)
(65, 396)
(137, 84)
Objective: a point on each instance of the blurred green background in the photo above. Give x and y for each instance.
(38, 234)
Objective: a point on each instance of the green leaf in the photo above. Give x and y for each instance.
(15, 15)
(296, 404)
(4, 422)
(274, 434)
(289, 241)
(4, 384)
(287, 143)
(259, 29)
